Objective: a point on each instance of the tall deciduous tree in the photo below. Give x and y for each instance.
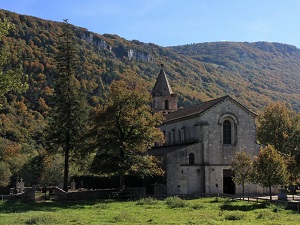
(123, 130)
(67, 117)
(242, 168)
(279, 126)
(269, 168)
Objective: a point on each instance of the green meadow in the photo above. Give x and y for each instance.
(172, 210)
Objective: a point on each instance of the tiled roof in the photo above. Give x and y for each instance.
(163, 150)
(162, 86)
(194, 109)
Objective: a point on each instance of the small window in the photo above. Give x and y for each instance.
(191, 158)
(166, 104)
(226, 132)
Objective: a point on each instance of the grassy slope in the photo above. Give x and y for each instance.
(200, 211)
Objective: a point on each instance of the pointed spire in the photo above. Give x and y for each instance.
(162, 86)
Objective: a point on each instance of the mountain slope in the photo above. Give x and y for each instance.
(269, 70)
(198, 72)
(253, 73)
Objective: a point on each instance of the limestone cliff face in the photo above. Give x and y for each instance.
(132, 53)
(89, 37)
(139, 56)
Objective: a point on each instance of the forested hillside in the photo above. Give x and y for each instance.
(247, 71)
(253, 73)
(271, 70)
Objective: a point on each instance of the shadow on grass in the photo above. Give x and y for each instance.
(230, 206)
(18, 207)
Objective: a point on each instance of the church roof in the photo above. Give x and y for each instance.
(166, 149)
(162, 86)
(197, 109)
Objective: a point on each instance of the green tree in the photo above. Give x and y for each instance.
(279, 126)
(123, 130)
(5, 174)
(293, 168)
(68, 114)
(242, 167)
(10, 80)
(269, 168)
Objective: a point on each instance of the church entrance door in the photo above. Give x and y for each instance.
(228, 184)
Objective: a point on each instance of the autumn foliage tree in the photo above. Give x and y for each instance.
(123, 129)
(242, 168)
(269, 168)
(279, 126)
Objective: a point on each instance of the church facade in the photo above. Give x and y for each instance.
(201, 141)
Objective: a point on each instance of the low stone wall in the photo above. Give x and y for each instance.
(27, 196)
(128, 193)
(136, 192)
(61, 195)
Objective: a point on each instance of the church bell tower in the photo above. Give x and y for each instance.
(164, 100)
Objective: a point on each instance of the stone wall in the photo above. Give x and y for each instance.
(27, 196)
(128, 193)
(211, 154)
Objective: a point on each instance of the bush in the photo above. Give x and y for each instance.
(147, 201)
(124, 217)
(175, 202)
(235, 215)
(197, 206)
(101, 205)
(226, 205)
(44, 218)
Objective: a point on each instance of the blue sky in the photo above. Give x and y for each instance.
(174, 22)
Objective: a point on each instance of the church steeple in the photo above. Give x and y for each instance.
(162, 86)
(164, 100)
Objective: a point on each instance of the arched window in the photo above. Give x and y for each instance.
(227, 132)
(166, 104)
(191, 158)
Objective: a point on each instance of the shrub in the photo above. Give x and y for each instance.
(226, 205)
(235, 215)
(267, 215)
(124, 217)
(147, 201)
(175, 202)
(44, 218)
(197, 206)
(101, 205)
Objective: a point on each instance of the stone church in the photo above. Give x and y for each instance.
(201, 141)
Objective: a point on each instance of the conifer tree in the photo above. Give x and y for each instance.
(67, 117)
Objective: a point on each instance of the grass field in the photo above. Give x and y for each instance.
(146, 211)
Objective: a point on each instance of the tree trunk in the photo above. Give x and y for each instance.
(66, 168)
(243, 191)
(122, 184)
(270, 192)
